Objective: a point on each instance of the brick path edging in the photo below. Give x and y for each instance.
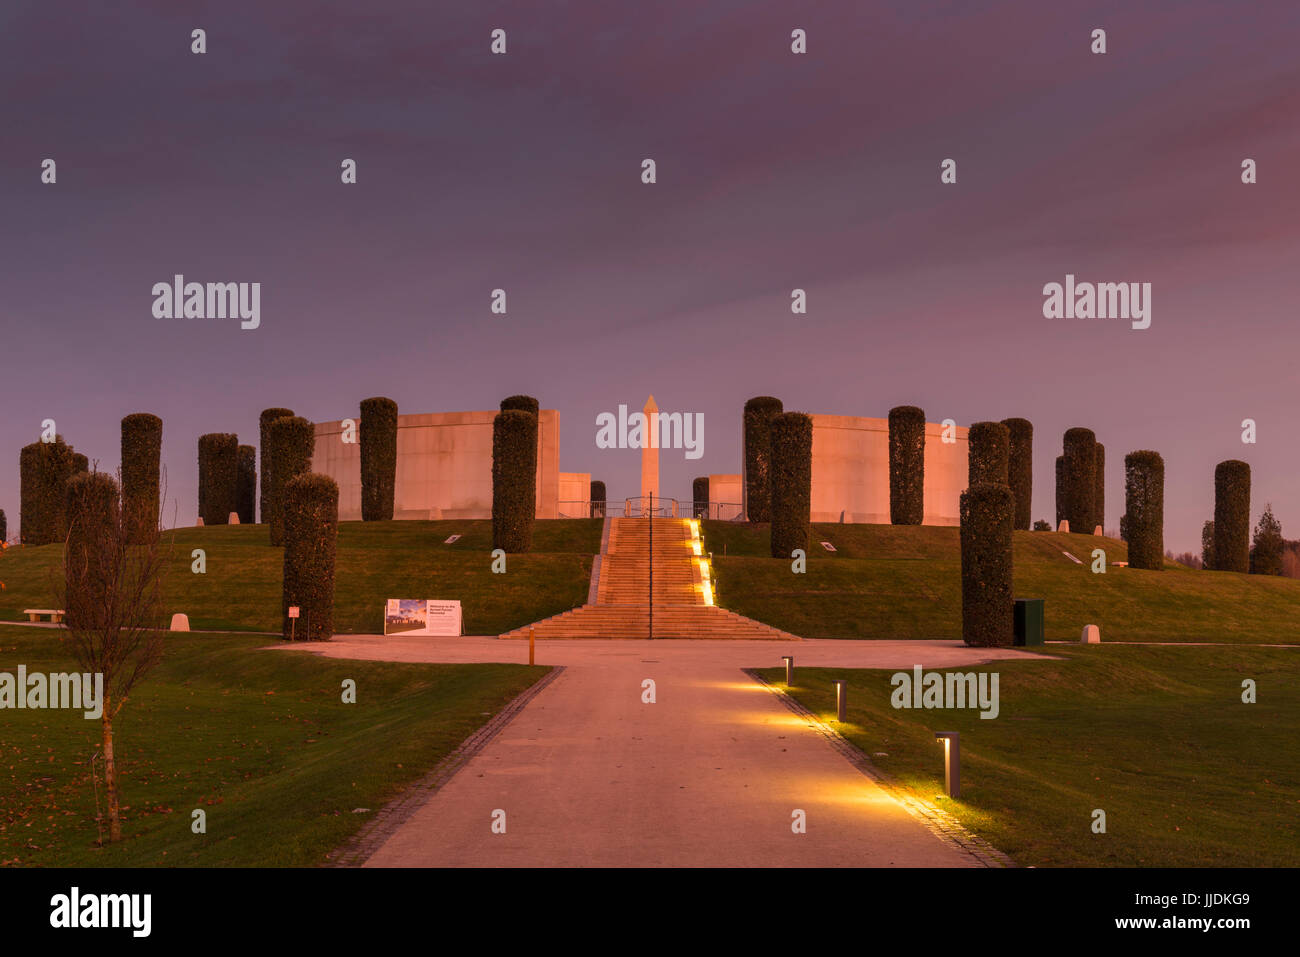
(397, 812)
(937, 820)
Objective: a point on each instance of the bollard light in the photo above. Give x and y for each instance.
(789, 670)
(530, 646)
(841, 701)
(951, 762)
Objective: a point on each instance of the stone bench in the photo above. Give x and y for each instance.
(40, 614)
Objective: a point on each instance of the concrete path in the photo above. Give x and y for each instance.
(708, 775)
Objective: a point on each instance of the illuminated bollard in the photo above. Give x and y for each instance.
(841, 701)
(789, 669)
(951, 762)
(530, 646)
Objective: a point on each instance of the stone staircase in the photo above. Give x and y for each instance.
(622, 590)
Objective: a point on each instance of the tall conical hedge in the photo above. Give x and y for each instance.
(218, 476)
(906, 465)
(757, 436)
(1020, 469)
(141, 473)
(1099, 490)
(246, 485)
(1080, 475)
(91, 503)
(700, 496)
(990, 452)
(378, 458)
(44, 469)
(264, 433)
(291, 442)
(791, 482)
(514, 476)
(987, 595)
(1144, 509)
(1232, 516)
(311, 523)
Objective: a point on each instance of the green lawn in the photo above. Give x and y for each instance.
(886, 581)
(1157, 737)
(260, 740)
(376, 560)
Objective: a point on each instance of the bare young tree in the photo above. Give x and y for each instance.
(111, 595)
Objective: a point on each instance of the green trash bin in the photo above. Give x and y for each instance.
(1029, 621)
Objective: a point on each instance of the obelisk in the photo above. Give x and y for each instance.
(650, 452)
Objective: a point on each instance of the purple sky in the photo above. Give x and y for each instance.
(775, 171)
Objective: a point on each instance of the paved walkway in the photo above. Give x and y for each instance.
(708, 775)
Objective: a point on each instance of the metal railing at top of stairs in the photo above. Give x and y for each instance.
(663, 508)
(636, 507)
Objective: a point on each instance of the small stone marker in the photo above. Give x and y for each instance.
(1064, 526)
(180, 622)
(199, 522)
(452, 540)
(232, 518)
(1091, 635)
(828, 546)
(1098, 531)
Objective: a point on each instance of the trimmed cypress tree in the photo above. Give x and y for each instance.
(520, 403)
(141, 469)
(1080, 474)
(597, 497)
(990, 451)
(1144, 509)
(1020, 468)
(378, 458)
(514, 476)
(526, 403)
(700, 497)
(264, 434)
(987, 596)
(31, 506)
(218, 476)
(1232, 516)
(4, 527)
(1207, 546)
(1099, 490)
(246, 485)
(790, 480)
(1060, 490)
(311, 525)
(44, 469)
(91, 504)
(906, 465)
(291, 442)
(757, 436)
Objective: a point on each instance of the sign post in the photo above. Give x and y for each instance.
(293, 622)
